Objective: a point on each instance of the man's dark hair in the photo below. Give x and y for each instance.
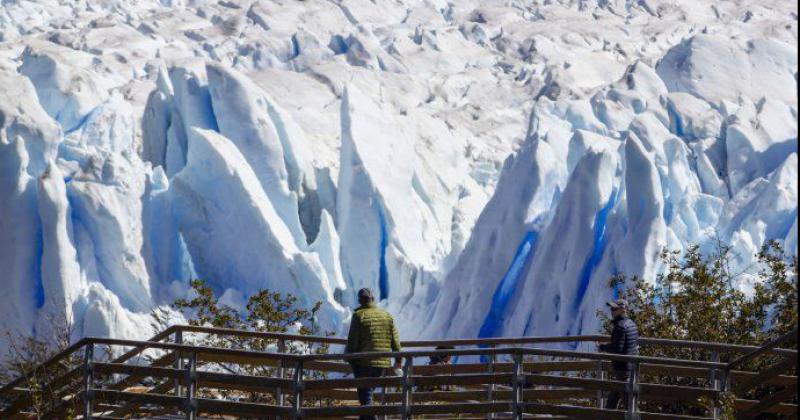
(439, 359)
(365, 296)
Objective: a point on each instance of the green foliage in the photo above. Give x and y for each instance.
(697, 298)
(22, 359)
(265, 311)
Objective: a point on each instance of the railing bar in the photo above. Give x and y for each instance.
(714, 383)
(484, 341)
(178, 361)
(763, 349)
(490, 386)
(191, 387)
(601, 375)
(516, 387)
(297, 411)
(88, 381)
(408, 383)
(280, 398)
(633, 393)
(767, 374)
(428, 353)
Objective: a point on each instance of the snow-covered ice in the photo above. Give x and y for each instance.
(484, 165)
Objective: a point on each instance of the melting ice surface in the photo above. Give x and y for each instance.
(492, 325)
(314, 148)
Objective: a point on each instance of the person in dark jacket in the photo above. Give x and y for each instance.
(371, 330)
(438, 360)
(624, 340)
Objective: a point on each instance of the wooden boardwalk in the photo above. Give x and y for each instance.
(167, 377)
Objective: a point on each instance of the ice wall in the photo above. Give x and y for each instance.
(484, 166)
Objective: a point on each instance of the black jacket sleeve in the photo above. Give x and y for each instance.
(617, 344)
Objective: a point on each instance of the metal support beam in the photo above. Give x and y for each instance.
(490, 388)
(178, 363)
(715, 384)
(408, 387)
(280, 399)
(601, 375)
(191, 387)
(298, 391)
(633, 394)
(516, 388)
(88, 380)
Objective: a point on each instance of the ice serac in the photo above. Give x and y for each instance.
(169, 264)
(61, 278)
(25, 119)
(29, 138)
(235, 236)
(637, 253)
(763, 210)
(191, 108)
(106, 200)
(110, 126)
(759, 138)
(242, 111)
(65, 88)
(375, 205)
(156, 121)
(501, 247)
(555, 287)
(327, 246)
(20, 240)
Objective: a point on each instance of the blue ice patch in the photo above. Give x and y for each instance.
(493, 324)
(599, 240)
(383, 274)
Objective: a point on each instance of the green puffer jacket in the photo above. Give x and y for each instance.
(372, 329)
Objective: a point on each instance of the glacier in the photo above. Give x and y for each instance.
(485, 166)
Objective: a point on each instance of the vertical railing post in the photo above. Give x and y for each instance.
(298, 391)
(191, 387)
(280, 399)
(516, 387)
(178, 363)
(633, 393)
(383, 399)
(88, 380)
(490, 388)
(408, 383)
(714, 383)
(601, 375)
(723, 387)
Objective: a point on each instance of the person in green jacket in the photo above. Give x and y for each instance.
(371, 330)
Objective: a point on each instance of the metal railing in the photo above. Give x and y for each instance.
(514, 381)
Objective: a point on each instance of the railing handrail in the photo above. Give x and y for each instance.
(764, 349)
(69, 351)
(401, 354)
(647, 341)
(154, 343)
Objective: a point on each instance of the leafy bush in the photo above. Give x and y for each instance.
(22, 359)
(265, 311)
(697, 299)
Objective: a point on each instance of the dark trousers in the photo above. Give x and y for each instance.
(365, 394)
(614, 396)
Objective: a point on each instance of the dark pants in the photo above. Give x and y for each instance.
(365, 394)
(614, 396)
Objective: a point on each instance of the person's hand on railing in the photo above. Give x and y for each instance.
(397, 369)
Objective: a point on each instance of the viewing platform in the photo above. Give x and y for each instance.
(304, 377)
